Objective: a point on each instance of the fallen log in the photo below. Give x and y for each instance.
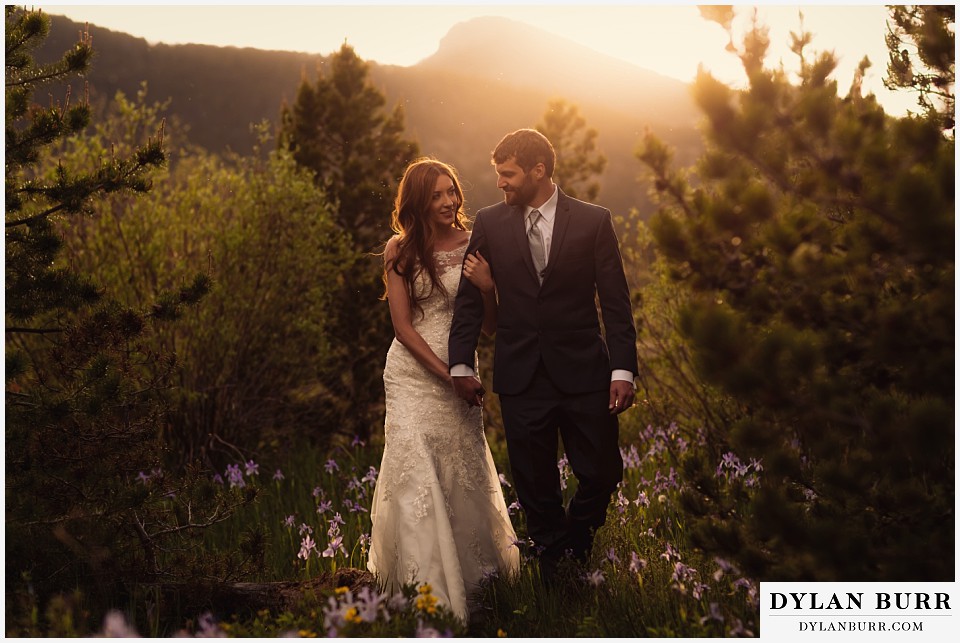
(226, 600)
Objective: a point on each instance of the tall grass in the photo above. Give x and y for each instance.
(641, 580)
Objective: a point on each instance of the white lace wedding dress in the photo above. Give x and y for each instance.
(438, 512)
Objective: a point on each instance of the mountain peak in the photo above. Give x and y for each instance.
(520, 54)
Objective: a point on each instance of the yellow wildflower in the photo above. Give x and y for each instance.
(340, 591)
(352, 616)
(426, 588)
(501, 633)
(427, 603)
(307, 634)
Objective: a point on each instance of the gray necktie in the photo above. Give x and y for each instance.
(536, 243)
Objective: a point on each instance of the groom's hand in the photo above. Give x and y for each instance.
(621, 396)
(469, 389)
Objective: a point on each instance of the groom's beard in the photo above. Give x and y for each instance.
(522, 195)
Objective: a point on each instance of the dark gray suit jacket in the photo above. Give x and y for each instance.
(558, 321)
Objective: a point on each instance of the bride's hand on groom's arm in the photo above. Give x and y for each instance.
(477, 270)
(469, 389)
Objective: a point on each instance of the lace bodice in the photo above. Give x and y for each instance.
(434, 324)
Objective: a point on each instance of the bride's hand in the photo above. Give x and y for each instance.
(477, 270)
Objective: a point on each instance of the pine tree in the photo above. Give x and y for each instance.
(922, 48)
(578, 161)
(815, 240)
(87, 504)
(337, 128)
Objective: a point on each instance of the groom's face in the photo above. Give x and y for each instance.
(519, 187)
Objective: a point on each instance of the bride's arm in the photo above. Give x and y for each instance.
(477, 270)
(402, 317)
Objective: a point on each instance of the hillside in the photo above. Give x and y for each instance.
(488, 76)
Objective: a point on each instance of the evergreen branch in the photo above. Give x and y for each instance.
(37, 331)
(36, 217)
(49, 74)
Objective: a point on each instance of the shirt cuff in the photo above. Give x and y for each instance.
(622, 375)
(462, 370)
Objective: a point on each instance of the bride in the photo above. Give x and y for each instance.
(438, 512)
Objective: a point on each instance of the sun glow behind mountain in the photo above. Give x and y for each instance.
(670, 40)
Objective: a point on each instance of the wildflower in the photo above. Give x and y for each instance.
(252, 468)
(698, 590)
(335, 544)
(371, 476)
(426, 631)
(278, 475)
(595, 578)
(637, 564)
(288, 521)
(612, 556)
(337, 609)
(352, 615)
(670, 553)
(324, 506)
(368, 604)
(631, 457)
(426, 602)
(337, 520)
(642, 500)
(318, 492)
(306, 546)
(218, 478)
(354, 484)
(504, 481)
(514, 507)
(357, 442)
(307, 634)
(489, 573)
(331, 466)
(714, 615)
(621, 502)
(115, 626)
(364, 541)
(235, 476)
(724, 567)
(305, 528)
(501, 633)
(738, 630)
(354, 507)
(397, 603)
(564, 466)
(208, 627)
(143, 477)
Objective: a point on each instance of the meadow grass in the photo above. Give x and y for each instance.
(641, 580)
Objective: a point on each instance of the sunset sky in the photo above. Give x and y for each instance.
(670, 39)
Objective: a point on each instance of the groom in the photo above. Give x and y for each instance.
(555, 370)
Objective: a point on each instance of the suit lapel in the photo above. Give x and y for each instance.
(560, 221)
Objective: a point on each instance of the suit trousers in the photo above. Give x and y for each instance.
(532, 421)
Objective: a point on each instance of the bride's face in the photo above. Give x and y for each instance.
(444, 203)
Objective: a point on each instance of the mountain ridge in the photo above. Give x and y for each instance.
(458, 102)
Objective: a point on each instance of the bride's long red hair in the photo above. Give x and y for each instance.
(410, 220)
